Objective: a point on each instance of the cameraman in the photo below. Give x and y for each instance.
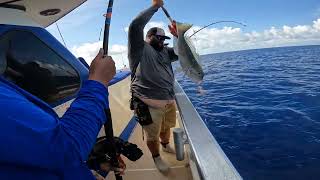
(37, 144)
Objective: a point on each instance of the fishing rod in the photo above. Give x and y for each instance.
(217, 22)
(173, 23)
(167, 14)
(107, 27)
(108, 124)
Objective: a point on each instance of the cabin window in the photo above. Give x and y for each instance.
(32, 65)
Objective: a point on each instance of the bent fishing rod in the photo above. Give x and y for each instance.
(217, 22)
(108, 124)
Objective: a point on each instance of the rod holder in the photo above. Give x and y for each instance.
(179, 141)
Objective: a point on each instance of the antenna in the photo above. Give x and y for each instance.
(61, 35)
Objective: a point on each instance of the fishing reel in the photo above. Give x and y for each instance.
(100, 154)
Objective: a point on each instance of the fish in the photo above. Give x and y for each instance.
(188, 57)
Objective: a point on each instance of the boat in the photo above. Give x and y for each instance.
(57, 78)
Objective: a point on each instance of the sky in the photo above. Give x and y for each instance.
(270, 23)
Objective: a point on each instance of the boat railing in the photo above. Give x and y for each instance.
(205, 153)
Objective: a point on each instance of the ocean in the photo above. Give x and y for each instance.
(263, 108)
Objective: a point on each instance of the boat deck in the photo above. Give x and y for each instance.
(144, 168)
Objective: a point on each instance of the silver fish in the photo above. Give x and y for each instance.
(189, 59)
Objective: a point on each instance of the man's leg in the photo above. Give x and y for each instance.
(153, 133)
(165, 136)
(153, 130)
(169, 121)
(153, 147)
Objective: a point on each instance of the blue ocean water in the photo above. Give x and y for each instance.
(263, 108)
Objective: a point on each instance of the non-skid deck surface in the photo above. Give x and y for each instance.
(145, 169)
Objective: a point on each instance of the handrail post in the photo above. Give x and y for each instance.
(179, 142)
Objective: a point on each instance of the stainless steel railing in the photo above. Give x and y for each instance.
(210, 160)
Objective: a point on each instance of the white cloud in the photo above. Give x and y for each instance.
(212, 40)
(126, 29)
(89, 50)
(316, 24)
(118, 52)
(153, 24)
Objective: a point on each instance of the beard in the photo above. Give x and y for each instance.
(158, 46)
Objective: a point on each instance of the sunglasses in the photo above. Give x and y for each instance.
(160, 38)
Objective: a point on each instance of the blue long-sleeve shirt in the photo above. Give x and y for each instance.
(36, 144)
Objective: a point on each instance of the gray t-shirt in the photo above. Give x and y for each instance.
(154, 78)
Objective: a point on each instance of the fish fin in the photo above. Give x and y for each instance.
(199, 61)
(178, 70)
(184, 76)
(188, 70)
(201, 91)
(175, 45)
(198, 58)
(185, 73)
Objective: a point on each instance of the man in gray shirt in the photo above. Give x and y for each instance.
(152, 82)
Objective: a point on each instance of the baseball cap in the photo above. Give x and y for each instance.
(157, 32)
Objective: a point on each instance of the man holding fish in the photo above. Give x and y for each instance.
(153, 79)
(152, 82)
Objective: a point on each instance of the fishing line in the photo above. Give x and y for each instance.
(217, 22)
(124, 65)
(100, 34)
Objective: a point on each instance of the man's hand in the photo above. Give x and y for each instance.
(102, 68)
(97, 175)
(173, 28)
(157, 3)
(106, 167)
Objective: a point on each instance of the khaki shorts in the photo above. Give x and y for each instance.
(163, 119)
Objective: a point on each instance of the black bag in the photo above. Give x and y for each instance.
(142, 110)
